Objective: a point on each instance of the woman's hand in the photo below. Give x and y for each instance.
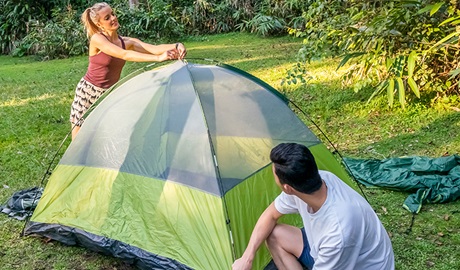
(182, 52)
(168, 55)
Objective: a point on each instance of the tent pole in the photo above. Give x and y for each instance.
(216, 166)
(333, 146)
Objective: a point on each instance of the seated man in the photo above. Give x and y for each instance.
(341, 230)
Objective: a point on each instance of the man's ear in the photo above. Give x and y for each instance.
(288, 189)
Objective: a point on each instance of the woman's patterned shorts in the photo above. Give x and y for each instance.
(85, 95)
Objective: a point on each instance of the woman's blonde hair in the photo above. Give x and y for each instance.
(90, 18)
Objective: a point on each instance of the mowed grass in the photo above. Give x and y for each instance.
(35, 100)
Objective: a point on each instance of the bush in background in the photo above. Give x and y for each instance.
(273, 17)
(407, 49)
(148, 20)
(58, 38)
(14, 21)
(41, 27)
(207, 17)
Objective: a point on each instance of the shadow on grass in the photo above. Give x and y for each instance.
(7, 61)
(439, 136)
(326, 98)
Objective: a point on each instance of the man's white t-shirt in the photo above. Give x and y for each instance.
(345, 233)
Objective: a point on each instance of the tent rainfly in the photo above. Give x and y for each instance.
(171, 170)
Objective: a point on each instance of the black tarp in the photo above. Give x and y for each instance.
(22, 203)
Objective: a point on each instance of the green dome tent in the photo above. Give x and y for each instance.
(171, 170)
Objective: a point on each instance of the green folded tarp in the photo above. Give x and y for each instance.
(431, 180)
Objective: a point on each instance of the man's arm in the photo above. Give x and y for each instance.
(262, 230)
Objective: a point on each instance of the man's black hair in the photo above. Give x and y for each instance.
(296, 166)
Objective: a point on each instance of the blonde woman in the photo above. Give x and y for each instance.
(108, 53)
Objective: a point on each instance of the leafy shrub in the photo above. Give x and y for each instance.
(18, 16)
(398, 47)
(266, 17)
(297, 74)
(263, 25)
(62, 37)
(208, 17)
(12, 23)
(273, 17)
(322, 18)
(149, 20)
(51, 35)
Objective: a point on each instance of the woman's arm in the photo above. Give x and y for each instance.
(143, 47)
(101, 43)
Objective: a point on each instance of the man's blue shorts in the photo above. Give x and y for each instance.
(305, 258)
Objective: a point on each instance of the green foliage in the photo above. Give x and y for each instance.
(207, 17)
(31, 27)
(322, 18)
(12, 27)
(263, 25)
(297, 74)
(59, 38)
(18, 16)
(149, 20)
(408, 47)
(272, 17)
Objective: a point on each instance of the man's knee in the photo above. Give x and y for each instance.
(285, 238)
(275, 236)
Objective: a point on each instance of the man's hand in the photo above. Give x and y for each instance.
(264, 226)
(242, 264)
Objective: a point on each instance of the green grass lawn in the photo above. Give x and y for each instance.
(35, 100)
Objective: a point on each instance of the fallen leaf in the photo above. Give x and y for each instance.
(440, 234)
(446, 217)
(384, 210)
(47, 240)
